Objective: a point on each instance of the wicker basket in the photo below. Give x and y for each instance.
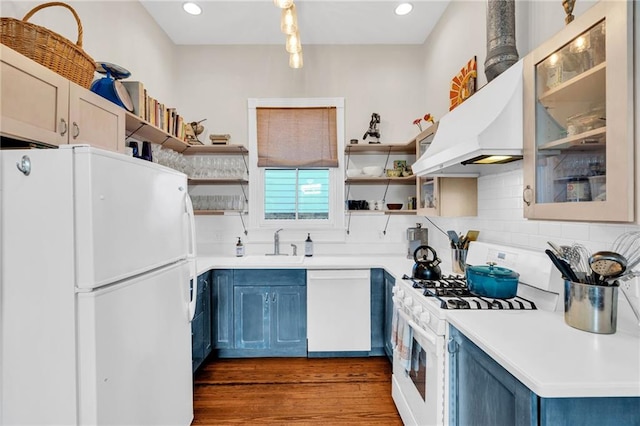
(48, 48)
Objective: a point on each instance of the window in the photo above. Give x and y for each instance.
(296, 194)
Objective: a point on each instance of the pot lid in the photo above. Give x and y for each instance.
(491, 270)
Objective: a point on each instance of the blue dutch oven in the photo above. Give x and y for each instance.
(492, 281)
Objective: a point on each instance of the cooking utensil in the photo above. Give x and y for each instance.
(556, 248)
(425, 268)
(562, 266)
(492, 281)
(453, 236)
(607, 264)
(628, 245)
(578, 257)
(471, 236)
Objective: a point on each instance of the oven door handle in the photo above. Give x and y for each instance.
(424, 333)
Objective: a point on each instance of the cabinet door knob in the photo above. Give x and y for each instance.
(452, 346)
(527, 195)
(63, 127)
(76, 130)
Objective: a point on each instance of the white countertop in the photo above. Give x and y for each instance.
(537, 347)
(553, 359)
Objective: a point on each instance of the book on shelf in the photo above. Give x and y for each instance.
(137, 93)
(154, 112)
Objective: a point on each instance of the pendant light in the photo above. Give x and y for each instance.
(289, 20)
(283, 4)
(295, 60)
(293, 44)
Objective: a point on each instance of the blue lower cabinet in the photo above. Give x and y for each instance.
(252, 317)
(269, 313)
(222, 309)
(389, 283)
(201, 345)
(377, 312)
(482, 392)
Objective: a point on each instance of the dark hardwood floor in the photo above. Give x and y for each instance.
(294, 391)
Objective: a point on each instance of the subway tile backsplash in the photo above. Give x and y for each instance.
(500, 220)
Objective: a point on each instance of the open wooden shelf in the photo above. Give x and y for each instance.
(216, 212)
(212, 181)
(409, 180)
(367, 148)
(142, 129)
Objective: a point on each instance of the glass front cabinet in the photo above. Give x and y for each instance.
(578, 149)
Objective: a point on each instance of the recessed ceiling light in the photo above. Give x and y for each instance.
(404, 8)
(191, 8)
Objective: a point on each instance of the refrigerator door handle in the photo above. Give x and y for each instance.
(191, 255)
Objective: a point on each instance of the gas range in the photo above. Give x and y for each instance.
(421, 312)
(451, 292)
(428, 302)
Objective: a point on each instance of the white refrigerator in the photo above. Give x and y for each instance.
(97, 252)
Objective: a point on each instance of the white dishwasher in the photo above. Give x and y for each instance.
(338, 310)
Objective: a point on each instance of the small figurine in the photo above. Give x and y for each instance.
(373, 128)
(568, 9)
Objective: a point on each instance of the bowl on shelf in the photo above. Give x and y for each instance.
(373, 171)
(353, 172)
(394, 206)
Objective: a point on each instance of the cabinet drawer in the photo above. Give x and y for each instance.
(269, 277)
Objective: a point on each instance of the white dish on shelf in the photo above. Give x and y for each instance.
(353, 172)
(374, 171)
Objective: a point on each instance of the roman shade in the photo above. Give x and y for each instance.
(297, 137)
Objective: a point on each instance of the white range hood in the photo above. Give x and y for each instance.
(488, 123)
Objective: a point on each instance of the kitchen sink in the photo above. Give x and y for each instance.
(257, 259)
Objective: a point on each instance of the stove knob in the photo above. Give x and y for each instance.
(425, 317)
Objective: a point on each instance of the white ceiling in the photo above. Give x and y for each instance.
(319, 21)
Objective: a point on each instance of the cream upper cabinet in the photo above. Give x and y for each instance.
(34, 100)
(94, 120)
(447, 196)
(444, 196)
(37, 104)
(578, 149)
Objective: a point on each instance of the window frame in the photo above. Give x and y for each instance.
(256, 220)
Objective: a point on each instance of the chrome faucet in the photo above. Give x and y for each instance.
(276, 242)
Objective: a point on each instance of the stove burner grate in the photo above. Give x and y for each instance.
(452, 293)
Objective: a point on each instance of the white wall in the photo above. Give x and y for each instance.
(216, 82)
(120, 32)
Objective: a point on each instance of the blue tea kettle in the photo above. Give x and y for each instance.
(109, 87)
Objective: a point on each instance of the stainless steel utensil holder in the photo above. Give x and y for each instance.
(458, 261)
(592, 308)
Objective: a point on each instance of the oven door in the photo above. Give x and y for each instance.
(418, 374)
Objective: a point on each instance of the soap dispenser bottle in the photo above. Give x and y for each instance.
(308, 246)
(239, 248)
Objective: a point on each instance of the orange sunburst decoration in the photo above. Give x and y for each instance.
(463, 85)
